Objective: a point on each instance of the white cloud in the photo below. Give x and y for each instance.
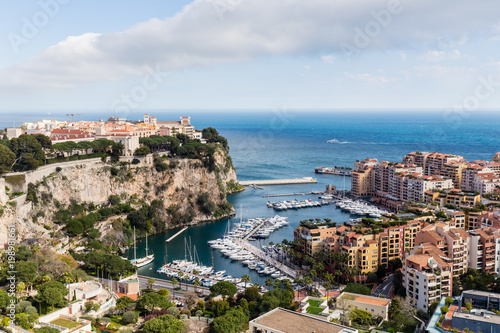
(307, 67)
(451, 73)
(437, 56)
(201, 36)
(368, 78)
(328, 59)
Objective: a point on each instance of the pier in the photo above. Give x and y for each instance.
(290, 194)
(261, 255)
(303, 180)
(177, 234)
(254, 230)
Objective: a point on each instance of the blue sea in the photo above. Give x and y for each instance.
(291, 144)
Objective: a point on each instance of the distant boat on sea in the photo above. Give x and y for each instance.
(332, 141)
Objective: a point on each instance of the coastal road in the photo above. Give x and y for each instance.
(165, 284)
(385, 287)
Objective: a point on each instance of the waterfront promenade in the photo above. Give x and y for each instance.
(260, 254)
(303, 180)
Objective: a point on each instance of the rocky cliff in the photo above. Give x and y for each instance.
(93, 181)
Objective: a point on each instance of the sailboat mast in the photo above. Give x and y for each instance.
(135, 248)
(146, 244)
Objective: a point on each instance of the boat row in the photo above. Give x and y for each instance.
(257, 228)
(206, 280)
(295, 204)
(360, 208)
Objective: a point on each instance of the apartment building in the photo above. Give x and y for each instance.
(427, 275)
(483, 253)
(366, 251)
(312, 239)
(453, 170)
(432, 163)
(457, 218)
(485, 182)
(417, 158)
(362, 182)
(469, 173)
(488, 219)
(435, 162)
(452, 241)
(453, 197)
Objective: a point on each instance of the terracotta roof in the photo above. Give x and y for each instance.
(377, 301)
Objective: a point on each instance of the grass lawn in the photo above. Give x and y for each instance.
(314, 303)
(314, 310)
(65, 323)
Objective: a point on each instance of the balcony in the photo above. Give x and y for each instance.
(306, 237)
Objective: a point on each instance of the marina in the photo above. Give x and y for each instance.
(303, 180)
(290, 194)
(296, 204)
(249, 205)
(360, 208)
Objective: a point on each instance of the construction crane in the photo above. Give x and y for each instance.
(73, 115)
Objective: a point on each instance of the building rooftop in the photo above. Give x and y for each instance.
(480, 293)
(484, 316)
(281, 320)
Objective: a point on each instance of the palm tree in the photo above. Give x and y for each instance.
(151, 281)
(277, 284)
(246, 278)
(180, 275)
(307, 281)
(269, 283)
(196, 283)
(174, 282)
(314, 275)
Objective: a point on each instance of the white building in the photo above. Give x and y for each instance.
(427, 276)
(14, 132)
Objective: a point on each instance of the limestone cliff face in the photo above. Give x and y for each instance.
(93, 181)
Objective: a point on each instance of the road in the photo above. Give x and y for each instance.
(165, 284)
(385, 287)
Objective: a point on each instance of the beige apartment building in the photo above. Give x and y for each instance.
(427, 275)
(452, 241)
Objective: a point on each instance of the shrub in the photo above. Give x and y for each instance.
(58, 169)
(129, 317)
(173, 311)
(448, 301)
(114, 171)
(164, 292)
(135, 161)
(444, 309)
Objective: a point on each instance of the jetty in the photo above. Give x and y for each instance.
(177, 234)
(254, 230)
(270, 261)
(290, 194)
(303, 180)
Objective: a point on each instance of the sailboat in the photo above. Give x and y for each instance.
(144, 260)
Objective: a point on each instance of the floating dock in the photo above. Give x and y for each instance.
(260, 254)
(177, 234)
(303, 180)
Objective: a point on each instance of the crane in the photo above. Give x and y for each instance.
(73, 116)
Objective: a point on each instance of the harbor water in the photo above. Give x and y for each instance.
(248, 204)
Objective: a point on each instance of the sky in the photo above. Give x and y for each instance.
(249, 54)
